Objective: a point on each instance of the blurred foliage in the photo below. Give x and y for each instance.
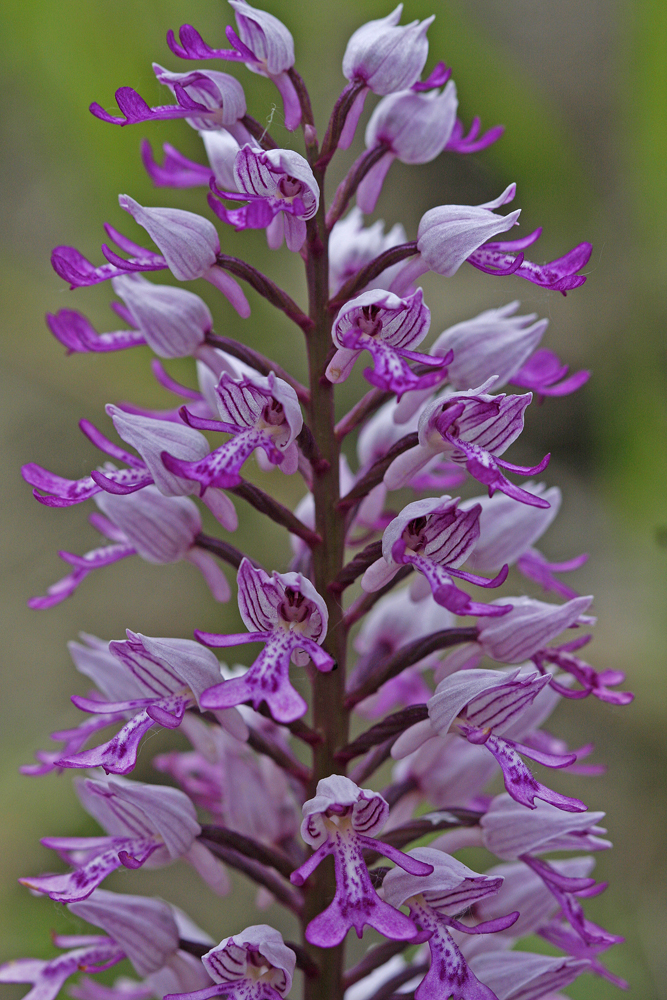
(582, 89)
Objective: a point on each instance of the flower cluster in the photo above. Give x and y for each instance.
(468, 683)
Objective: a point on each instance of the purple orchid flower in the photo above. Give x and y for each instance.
(375, 439)
(524, 633)
(260, 412)
(447, 771)
(154, 681)
(149, 436)
(150, 824)
(210, 363)
(263, 43)
(529, 626)
(159, 529)
(243, 790)
(217, 95)
(281, 192)
(435, 537)
(473, 429)
(182, 972)
(385, 57)
(146, 929)
(414, 127)
(177, 171)
(522, 975)
(285, 612)
(207, 99)
(434, 901)
(524, 890)
(189, 246)
(391, 624)
(481, 705)
(388, 328)
(88, 953)
(563, 936)
(119, 677)
(497, 342)
(351, 247)
(253, 965)
(451, 234)
(339, 820)
(513, 833)
(507, 531)
(138, 928)
(172, 321)
(597, 683)
(543, 373)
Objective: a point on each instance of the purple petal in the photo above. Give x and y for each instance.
(65, 491)
(469, 144)
(119, 754)
(80, 883)
(267, 680)
(194, 47)
(134, 109)
(78, 335)
(177, 170)
(521, 784)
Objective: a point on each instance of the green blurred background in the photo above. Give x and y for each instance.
(582, 87)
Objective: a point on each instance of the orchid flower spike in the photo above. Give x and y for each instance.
(145, 824)
(481, 705)
(435, 537)
(340, 821)
(159, 529)
(434, 903)
(285, 612)
(388, 328)
(261, 413)
(281, 192)
(473, 429)
(253, 965)
(154, 681)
